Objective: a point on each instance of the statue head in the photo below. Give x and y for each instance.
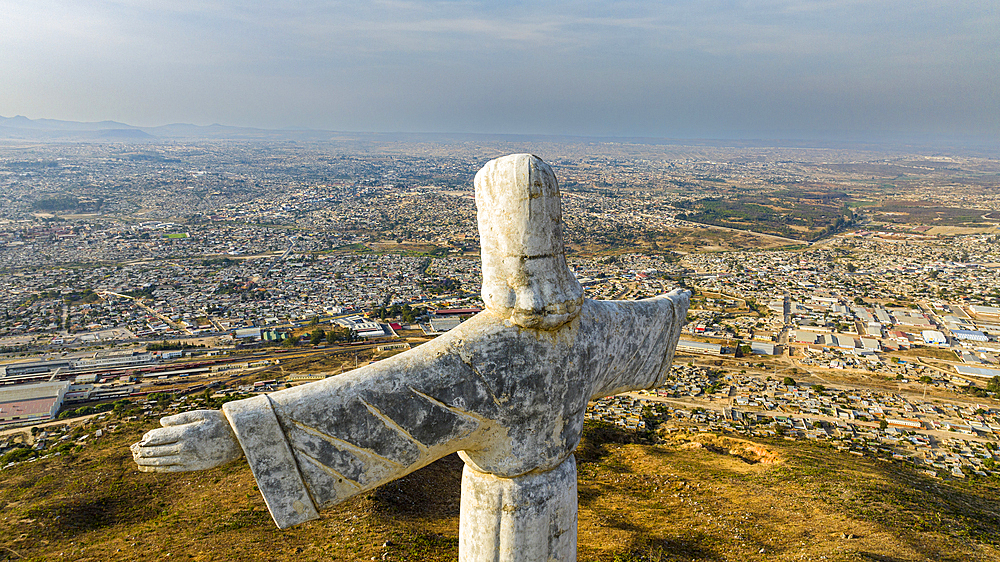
(525, 276)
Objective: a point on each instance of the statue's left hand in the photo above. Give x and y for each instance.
(196, 440)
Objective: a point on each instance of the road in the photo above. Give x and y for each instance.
(27, 429)
(744, 231)
(150, 310)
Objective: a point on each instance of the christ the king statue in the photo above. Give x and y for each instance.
(507, 390)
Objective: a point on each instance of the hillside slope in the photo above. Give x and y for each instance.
(695, 497)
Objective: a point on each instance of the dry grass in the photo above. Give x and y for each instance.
(669, 501)
(917, 352)
(333, 360)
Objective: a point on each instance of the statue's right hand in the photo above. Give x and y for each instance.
(196, 440)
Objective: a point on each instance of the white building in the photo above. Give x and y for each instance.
(688, 346)
(764, 348)
(933, 337)
(114, 359)
(364, 327)
(870, 344)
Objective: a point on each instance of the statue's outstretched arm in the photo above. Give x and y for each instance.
(639, 339)
(353, 432)
(315, 445)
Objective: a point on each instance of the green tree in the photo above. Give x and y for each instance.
(339, 333)
(994, 384)
(16, 455)
(788, 381)
(317, 336)
(122, 406)
(408, 314)
(882, 424)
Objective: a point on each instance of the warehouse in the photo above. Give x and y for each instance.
(688, 346)
(31, 402)
(969, 335)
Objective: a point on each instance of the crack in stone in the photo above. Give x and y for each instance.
(340, 443)
(540, 256)
(340, 477)
(459, 412)
(391, 424)
(489, 389)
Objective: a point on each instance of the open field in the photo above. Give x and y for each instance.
(688, 497)
(921, 212)
(681, 240)
(961, 230)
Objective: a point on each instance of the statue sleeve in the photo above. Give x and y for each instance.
(318, 444)
(637, 341)
(271, 460)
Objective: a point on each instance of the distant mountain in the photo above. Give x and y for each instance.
(22, 122)
(123, 134)
(22, 128)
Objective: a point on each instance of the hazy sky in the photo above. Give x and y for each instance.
(698, 68)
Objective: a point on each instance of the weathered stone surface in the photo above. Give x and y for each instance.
(525, 278)
(271, 460)
(507, 389)
(524, 519)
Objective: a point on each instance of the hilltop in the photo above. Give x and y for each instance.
(695, 496)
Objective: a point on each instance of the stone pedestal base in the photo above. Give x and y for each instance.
(530, 518)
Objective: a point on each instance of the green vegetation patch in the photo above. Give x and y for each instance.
(805, 216)
(56, 203)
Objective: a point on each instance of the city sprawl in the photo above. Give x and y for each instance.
(843, 295)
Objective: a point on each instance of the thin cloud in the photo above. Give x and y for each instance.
(582, 67)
